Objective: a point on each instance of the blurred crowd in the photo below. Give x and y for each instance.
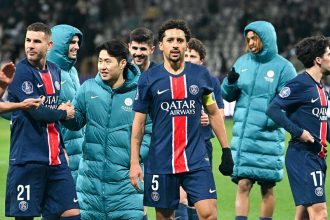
(218, 23)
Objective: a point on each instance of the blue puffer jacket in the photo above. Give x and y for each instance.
(61, 36)
(103, 185)
(258, 143)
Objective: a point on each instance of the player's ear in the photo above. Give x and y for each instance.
(50, 45)
(318, 60)
(122, 64)
(152, 49)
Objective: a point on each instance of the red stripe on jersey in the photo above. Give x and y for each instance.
(323, 127)
(53, 144)
(179, 160)
(178, 87)
(48, 83)
(179, 127)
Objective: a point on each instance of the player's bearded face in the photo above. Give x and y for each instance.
(108, 67)
(174, 45)
(140, 52)
(36, 45)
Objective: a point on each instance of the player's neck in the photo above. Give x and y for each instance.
(115, 84)
(144, 67)
(40, 64)
(174, 67)
(315, 73)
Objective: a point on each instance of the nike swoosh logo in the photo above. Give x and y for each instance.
(212, 191)
(314, 100)
(243, 70)
(161, 92)
(39, 85)
(75, 200)
(63, 82)
(94, 97)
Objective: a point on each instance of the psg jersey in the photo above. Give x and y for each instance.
(174, 103)
(305, 102)
(35, 133)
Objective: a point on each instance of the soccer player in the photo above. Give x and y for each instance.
(6, 77)
(105, 105)
(39, 179)
(173, 93)
(141, 48)
(66, 42)
(257, 143)
(301, 108)
(196, 54)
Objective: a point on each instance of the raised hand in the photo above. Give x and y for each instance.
(7, 74)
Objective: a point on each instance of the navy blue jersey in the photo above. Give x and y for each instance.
(35, 133)
(174, 103)
(207, 130)
(305, 102)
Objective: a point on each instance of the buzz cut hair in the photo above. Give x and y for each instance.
(40, 27)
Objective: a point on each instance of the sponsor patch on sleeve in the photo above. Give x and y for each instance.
(285, 92)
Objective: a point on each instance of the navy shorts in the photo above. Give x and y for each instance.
(306, 172)
(163, 190)
(34, 189)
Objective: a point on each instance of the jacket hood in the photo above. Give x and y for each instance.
(61, 36)
(131, 75)
(267, 34)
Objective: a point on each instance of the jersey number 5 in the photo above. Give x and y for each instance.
(154, 182)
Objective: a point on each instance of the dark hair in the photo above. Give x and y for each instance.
(39, 26)
(115, 48)
(142, 35)
(311, 47)
(195, 44)
(174, 24)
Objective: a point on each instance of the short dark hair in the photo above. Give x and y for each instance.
(311, 47)
(174, 24)
(39, 26)
(115, 48)
(195, 44)
(142, 35)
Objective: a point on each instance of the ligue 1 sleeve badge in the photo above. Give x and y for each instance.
(23, 206)
(27, 87)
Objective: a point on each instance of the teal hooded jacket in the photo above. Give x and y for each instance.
(258, 143)
(61, 37)
(103, 184)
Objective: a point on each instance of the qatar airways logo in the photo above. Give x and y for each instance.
(320, 113)
(51, 102)
(179, 107)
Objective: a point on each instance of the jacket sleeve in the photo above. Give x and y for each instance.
(288, 73)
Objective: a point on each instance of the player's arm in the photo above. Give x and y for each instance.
(278, 115)
(218, 126)
(136, 139)
(26, 104)
(6, 76)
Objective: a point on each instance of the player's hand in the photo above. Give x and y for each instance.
(227, 163)
(204, 119)
(135, 173)
(7, 74)
(32, 103)
(306, 137)
(232, 76)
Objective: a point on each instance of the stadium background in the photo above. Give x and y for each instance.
(218, 23)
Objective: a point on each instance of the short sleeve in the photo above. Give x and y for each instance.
(142, 97)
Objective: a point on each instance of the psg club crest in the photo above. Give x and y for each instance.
(27, 87)
(155, 196)
(193, 89)
(319, 191)
(23, 206)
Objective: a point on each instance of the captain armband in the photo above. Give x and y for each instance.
(208, 99)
